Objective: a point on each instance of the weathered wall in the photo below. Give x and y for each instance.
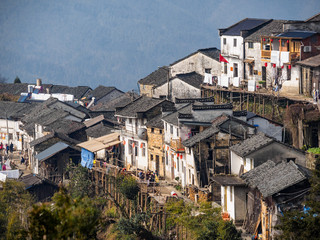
(196, 63)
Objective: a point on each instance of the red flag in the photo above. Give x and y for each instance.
(222, 59)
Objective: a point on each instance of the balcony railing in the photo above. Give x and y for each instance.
(265, 54)
(176, 145)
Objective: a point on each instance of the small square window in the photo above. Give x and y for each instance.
(207, 70)
(160, 131)
(250, 44)
(234, 42)
(224, 41)
(152, 130)
(171, 129)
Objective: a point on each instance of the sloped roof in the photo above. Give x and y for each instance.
(102, 91)
(251, 144)
(192, 100)
(213, 53)
(155, 122)
(140, 105)
(310, 62)
(173, 117)
(51, 151)
(314, 18)
(14, 109)
(200, 136)
(194, 79)
(31, 180)
(101, 142)
(13, 88)
(111, 106)
(270, 178)
(296, 34)
(64, 126)
(93, 121)
(63, 137)
(244, 25)
(228, 180)
(98, 130)
(156, 78)
(270, 29)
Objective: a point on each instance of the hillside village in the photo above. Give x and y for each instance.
(231, 127)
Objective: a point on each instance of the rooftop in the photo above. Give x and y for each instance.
(156, 78)
(311, 62)
(270, 29)
(296, 34)
(270, 178)
(246, 24)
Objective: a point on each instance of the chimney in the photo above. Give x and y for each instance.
(39, 82)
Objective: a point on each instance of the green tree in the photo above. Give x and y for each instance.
(202, 222)
(17, 80)
(128, 186)
(66, 218)
(304, 225)
(14, 204)
(80, 184)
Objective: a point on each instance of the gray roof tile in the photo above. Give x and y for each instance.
(246, 24)
(270, 178)
(156, 78)
(213, 53)
(194, 79)
(271, 29)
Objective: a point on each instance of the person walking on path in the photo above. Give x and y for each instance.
(11, 147)
(7, 149)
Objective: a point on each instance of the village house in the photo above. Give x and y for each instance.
(256, 72)
(260, 148)
(273, 190)
(102, 94)
(310, 76)
(133, 135)
(40, 188)
(155, 136)
(186, 85)
(10, 122)
(52, 162)
(208, 151)
(204, 62)
(233, 50)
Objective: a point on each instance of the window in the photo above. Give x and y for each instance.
(225, 68)
(160, 131)
(231, 188)
(171, 129)
(167, 158)
(178, 164)
(130, 121)
(177, 132)
(288, 73)
(130, 146)
(250, 69)
(235, 70)
(136, 149)
(152, 130)
(250, 44)
(207, 70)
(151, 157)
(234, 42)
(143, 145)
(166, 127)
(224, 41)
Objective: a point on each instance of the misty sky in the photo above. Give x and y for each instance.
(118, 42)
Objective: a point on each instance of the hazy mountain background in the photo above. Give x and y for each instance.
(118, 42)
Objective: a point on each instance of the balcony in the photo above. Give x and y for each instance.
(176, 145)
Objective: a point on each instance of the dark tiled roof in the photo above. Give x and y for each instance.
(242, 113)
(209, 132)
(118, 102)
(98, 130)
(297, 34)
(13, 89)
(31, 180)
(251, 144)
(194, 79)
(272, 28)
(63, 137)
(140, 105)
(228, 180)
(77, 92)
(192, 100)
(212, 107)
(14, 110)
(311, 62)
(102, 91)
(156, 78)
(213, 53)
(246, 24)
(270, 178)
(64, 126)
(155, 122)
(314, 18)
(173, 117)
